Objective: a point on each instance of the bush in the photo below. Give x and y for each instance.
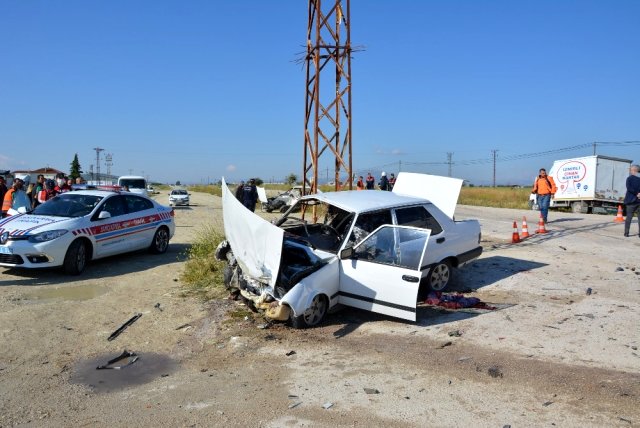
(202, 272)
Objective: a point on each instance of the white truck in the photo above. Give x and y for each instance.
(134, 183)
(589, 184)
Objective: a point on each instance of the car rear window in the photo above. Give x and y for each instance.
(418, 217)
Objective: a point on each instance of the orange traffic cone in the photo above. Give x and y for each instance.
(515, 238)
(541, 228)
(525, 228)
(619, 218)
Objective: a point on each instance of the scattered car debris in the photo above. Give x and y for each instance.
(619, 269)
(130, 357)
(67, 328)
(551, 326)
(624, 420)
(455, 333)
(547, 403)
(590, 316)
(564, 248)
(124, 326)
(589, 290)
(455, 301)
(294, 405)
(371, 391)
(157, 306)
(183, 326)
(327, 405)
(264, 326)
(292, 397)
(445, 344)
(290, 353)
(461, 359)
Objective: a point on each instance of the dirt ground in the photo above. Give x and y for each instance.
(551, 355)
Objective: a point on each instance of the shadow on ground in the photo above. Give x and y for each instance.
(122, 264)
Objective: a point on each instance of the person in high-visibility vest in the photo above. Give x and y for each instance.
(544, 188)
(7, 201)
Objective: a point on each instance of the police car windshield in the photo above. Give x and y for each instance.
(68, 205)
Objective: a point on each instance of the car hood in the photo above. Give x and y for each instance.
(23, 224)
(443, 192)
(256, 243)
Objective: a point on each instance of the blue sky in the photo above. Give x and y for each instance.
(195, 90)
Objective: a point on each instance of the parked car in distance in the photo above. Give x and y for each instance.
(179, 197)
(374, 250)
(76, 227)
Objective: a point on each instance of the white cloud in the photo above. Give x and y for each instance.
(231, 168)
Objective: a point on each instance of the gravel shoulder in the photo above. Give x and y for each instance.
(550, 355)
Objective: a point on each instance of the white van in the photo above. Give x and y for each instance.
(135, 184)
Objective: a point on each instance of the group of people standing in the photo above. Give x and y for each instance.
(385, 183)
(27, 195)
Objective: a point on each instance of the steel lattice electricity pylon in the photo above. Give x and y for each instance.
(328, 110)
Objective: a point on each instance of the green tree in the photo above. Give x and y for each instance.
(291, 179)
(178, 183)
(259, 181)
(75, 170)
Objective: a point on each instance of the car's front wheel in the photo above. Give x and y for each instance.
(313, 315)
(76, 258)
(160, 241)
(439, 276)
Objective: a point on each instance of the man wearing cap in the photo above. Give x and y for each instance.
(384, 182)
(250, 195)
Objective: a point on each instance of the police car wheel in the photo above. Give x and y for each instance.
(76, 258)
(160, 241)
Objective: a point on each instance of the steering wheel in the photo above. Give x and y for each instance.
(304, 224)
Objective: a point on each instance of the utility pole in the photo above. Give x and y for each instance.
(327, 120)
(594, 148)
(98, 150)
(108, 162)
(494, 152)
(449, 156)
(93, 176)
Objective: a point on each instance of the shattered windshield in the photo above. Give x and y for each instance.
(318, 224)
(68, 205)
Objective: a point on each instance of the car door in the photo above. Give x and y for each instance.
(139, 219)
(421, 217)
(109, 234)
(382, 273)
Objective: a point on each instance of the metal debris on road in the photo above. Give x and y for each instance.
(444, 345)
(327, 405)
(290, 353)
(183, 326)
(455, 333)
(294, 405)
(371, 391)
(494, 371)
(124, 326)
(132, 357)
(157, 306)
(547, 403)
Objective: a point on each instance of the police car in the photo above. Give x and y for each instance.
(78, 226)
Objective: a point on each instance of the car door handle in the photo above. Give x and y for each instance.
(410, 278)
(440, 240)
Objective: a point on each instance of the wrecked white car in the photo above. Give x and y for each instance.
(373, 250)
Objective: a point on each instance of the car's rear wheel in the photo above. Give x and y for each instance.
(313, 315)
(76, 258)
(160, 241)
(439, 276)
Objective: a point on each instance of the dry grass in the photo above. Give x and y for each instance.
(202, 273)
(498, 197)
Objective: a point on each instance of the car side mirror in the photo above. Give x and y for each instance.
(104, 214)
(347, 253)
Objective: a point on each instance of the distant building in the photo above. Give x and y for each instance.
(48, 172)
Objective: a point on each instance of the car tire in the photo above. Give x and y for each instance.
(76, 258)
(160, 241)
(439, 276)
(313, 315)
(283, 208)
